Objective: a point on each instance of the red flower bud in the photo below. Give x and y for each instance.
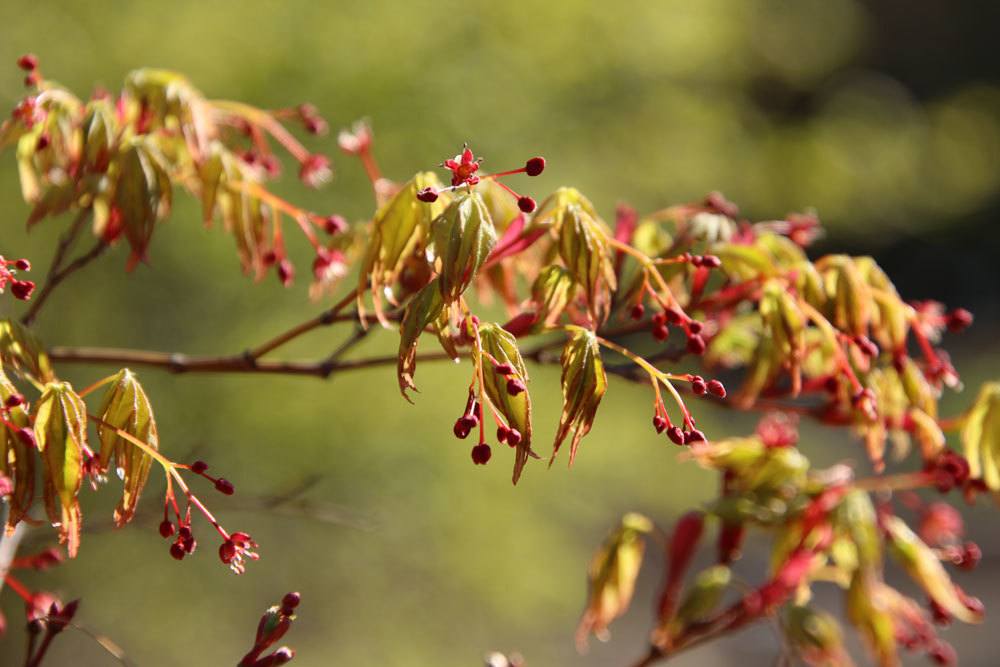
(22, 289)
(501, 433)
(683, 542)
(290, 601)
(481, 454)
(699, 387)
(695, 327)
(696, 344)
(694, 435)
(515, 386)
(166, 529)
(716, 388)
(661, 333)
(513, 437)
(224, 486)
(659, 423)
(199, 467)
(177, 551)
(23, 265)
(958, 319)
(711, 261)
(526, 204)
(676, 435)
(335, 224)
(14, 400)
(28, 62)
(534, 166)
(503, 369)
(286, 272)
(427, 195)
(638, 310)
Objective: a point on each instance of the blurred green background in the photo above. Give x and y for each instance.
(884, 116)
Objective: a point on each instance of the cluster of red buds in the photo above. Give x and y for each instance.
(235, 548)
(21, 289)
(272, 626)
(45, 615)
(464, 169)
(29, 63)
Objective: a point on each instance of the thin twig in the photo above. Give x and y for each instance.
(65, 242)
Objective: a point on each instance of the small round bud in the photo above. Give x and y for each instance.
(198, 467)
(696, 344)
(14, 400)
(830, 384)
(224, 486)
(28, 62)
(481, 454)
(335, 224)
(526, 204)
(659, 319)
(461, 429)
(661, 333)
(676, 435)
(699, 387)
(22, 265)
(659, 423)
(282, 656)
(674, 316)
(177, 551)
(190, 545)
(42, 143)
(227, 552)
(167, 529)
(513, 437)
(716, 388)
(638, 310)
(695, 327)
(290, 601)
(534, 166)
(942, 653)
(515, 386)
(504, 369)
(286, 272)
(427, 195)
(971, 555)
(501, 434)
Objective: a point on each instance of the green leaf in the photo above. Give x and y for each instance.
(425, 308)
(17, 457)
(125, 406)
(61, 434)
(22, 353)
(584, 382)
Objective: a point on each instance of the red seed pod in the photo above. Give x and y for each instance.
(513, 437)
(501, 433)
(515, 386)
(696, 344)
(699, 387)
(167, 529)
(177, 551)
(28, 62)
(22, 265)
(427, 195)
(198, 467)
(661, 333)
(659, 423)
(526, 204)
(224, 486)
(676, 435)
(534, 166)
(481, 454)
(716, 388)
(638, 310)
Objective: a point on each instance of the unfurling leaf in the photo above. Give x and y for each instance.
(142, 194)
(869, 608)
(22, 353)
(463, 238)
(550, 293)
(981, 436)
(582, 240)
(17, 454)
(126, 407)
(424, 309)
(398, 229)
(61, 434)
(583, 385)
(612, 576)
(925, 568)
(515, 408)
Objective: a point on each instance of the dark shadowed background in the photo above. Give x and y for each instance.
(884, 116)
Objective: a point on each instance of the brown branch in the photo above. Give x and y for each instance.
(53, 277)
(325, 318)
